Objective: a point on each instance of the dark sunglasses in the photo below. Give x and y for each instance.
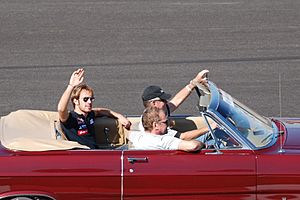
(165, 122)
(85, 99)
(161, 100)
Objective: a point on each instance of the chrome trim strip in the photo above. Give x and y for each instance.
(122, 175)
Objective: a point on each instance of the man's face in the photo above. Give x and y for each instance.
(162, 125)
(85, 102)
(161, 104)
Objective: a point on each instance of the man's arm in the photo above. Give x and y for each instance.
(192, 145)
(62, 107)
(193, 134)
(179, 98)
(109, 113)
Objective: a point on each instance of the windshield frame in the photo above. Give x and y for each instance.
(258, 131)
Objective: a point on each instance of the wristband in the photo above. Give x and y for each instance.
(188, 88)
(193, 83)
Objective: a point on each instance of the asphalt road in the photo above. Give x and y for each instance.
(252, 49)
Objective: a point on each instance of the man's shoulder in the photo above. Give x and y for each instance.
(139, 136)
(135, 132)
(171, 132)
(133, 135)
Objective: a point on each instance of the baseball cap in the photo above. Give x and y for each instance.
(153, 91)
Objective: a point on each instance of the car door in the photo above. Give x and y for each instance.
(64, 175)
(165, 174)
(278, 175)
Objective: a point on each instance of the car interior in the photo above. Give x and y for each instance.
(38, 130)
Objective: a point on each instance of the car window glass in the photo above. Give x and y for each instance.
(221, 137)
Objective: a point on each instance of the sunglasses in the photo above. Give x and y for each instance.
(165, 122)
(85, 99)
(160, 100)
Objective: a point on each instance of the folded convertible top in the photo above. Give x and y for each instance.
(33, 130)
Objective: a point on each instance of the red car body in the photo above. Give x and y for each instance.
(269, 172)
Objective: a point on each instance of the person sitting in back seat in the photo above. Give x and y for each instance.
(78, 124)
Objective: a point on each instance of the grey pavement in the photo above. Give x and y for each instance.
(252, 49)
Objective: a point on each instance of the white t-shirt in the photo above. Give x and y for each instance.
(148, 141)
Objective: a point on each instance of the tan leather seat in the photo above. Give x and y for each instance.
(109, 133)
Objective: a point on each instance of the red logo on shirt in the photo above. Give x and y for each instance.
(82, 132)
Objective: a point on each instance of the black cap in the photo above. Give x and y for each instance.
(154, 91)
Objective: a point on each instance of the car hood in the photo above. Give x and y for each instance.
(292, 126)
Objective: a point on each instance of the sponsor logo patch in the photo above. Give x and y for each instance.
(82, 132)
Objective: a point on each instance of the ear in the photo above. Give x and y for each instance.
(76, 101)
(155, 125)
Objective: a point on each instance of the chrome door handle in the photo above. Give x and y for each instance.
(140, 160)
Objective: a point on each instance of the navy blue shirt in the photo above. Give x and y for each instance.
(81, 129)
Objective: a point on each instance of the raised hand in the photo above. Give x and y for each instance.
(201, 76)
(77, 77)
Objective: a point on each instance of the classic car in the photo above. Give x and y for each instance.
(249, 157)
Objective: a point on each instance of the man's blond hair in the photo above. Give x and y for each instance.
(151, 115)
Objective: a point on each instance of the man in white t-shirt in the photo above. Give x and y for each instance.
(155, 123)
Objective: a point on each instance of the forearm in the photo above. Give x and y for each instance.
(179, 98)
(186, 91)
(193, 134)
(189, 146)
(62, 106)
(106, 112)
(109, 113)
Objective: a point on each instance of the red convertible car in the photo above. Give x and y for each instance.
(249, 157)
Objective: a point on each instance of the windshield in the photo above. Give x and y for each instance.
(255, 128)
